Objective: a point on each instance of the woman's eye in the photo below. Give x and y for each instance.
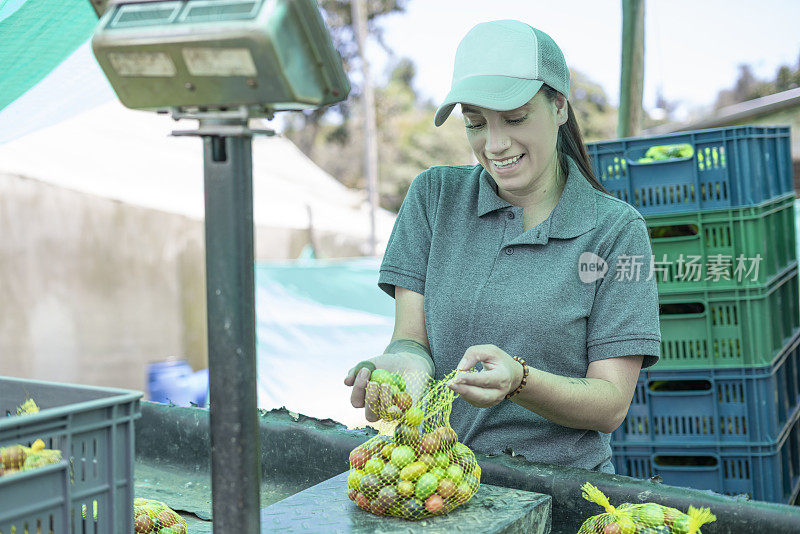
(517, 121)
(473, 126)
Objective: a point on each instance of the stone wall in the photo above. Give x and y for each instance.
(92, 289)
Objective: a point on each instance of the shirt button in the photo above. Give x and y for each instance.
(510, 251)
(510, 215)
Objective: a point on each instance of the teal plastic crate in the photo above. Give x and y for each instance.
(723, 249)
(729, 328)
(93, 427)
(734, 166)
(35, 501)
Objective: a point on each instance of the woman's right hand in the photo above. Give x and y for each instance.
(411, 366)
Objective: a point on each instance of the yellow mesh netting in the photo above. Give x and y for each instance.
(16, 458)
(646, 518)
(415, 467)
(156, 517)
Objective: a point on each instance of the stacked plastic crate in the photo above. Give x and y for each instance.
(720, 409)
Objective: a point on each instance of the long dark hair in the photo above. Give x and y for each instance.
(570, 143)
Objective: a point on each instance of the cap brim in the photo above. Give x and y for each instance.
(498, 93)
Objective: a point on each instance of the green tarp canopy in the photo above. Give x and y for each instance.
(35, 37)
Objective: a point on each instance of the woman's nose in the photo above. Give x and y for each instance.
(497, 141)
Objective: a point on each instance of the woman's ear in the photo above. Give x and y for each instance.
(561, 109)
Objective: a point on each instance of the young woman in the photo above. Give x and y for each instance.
(522, 265)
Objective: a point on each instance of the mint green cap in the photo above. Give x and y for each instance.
(501, 65)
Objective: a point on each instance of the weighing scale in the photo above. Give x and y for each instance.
(224, 62)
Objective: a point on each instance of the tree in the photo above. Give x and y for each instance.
(408, 142)
(596, 117)
(747, 86)
(338, 17)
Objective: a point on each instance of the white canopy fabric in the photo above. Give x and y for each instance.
(77, 135)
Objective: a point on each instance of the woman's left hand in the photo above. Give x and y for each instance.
(501, 375)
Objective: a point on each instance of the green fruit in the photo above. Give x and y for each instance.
(626, 525)
(387, 497)
(413, 471)
(403, 455)
(405, 488)
(426, 485)
(463, 492)
(651, 514)
(406, 435)
(439, 472)
(387, 451)
(373, 466)
(380, 376)
(455, 473)
(398, 381)
(681, 525)
(414, 416)
(442, 460)
(428, 460)
(354, 478)
(390, 473)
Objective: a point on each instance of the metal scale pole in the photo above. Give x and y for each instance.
(230, 293)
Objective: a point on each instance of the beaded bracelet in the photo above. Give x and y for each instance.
(524, 378)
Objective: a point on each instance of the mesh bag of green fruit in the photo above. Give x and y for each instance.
(415, 467)
(17, 458)
(646, 518)
(664, 152)
(156, 517)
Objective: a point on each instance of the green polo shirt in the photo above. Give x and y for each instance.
(542, 294)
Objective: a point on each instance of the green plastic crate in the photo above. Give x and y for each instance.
(715, 240)
(729, 328)
(93, 427)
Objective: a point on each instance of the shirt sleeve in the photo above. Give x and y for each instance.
(405, 261)
(624, 318)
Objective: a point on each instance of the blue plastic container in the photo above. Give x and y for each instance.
(175, 382)
(730, 167)
(728, 405)
(763, 471)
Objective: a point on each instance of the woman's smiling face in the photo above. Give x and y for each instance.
(518, 147)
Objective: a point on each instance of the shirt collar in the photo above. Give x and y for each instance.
(575, 213)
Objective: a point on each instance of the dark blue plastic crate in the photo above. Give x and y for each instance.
(763, 471)
(730, 167)
(725, 405)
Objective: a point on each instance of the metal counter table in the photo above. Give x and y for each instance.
(298, 452)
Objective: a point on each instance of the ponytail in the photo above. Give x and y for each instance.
(570, 143)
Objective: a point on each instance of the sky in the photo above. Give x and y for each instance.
(692, 48)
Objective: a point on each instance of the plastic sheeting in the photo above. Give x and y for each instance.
(37, 35)
(74, 87)
(314, 321)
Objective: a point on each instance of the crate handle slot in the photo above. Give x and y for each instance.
(679, 387)
(674, 232)
(682, 308)
(681, 463)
